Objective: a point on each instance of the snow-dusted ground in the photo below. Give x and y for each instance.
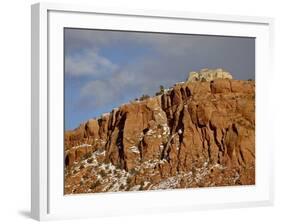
(110, 178)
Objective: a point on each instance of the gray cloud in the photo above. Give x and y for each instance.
(171, 58)
(77, 39)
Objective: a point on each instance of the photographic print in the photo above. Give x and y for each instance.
(154, 111)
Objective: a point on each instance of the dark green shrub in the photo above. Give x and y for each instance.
(122, 187)
(95, 184)
(103, 173)
(161, 91)
(91, 160)
(144, 97)
(87, 155)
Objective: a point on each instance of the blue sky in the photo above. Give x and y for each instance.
(104, 69)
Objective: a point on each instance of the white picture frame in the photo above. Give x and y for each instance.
(47, 199)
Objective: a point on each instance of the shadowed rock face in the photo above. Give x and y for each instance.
(196, 134)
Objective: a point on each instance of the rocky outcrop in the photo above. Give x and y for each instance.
(195, 134)
(209, 75)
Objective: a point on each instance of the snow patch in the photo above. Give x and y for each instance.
(150, 132)
(169, 183)
(135, 188)
(180, 83)
(163, 161)
(166, 129)
(151, 163)
(134, 149)
(81, 146)
(146, 183)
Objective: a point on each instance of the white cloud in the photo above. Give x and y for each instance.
(101, 91)
(88, 62)
(109, 91)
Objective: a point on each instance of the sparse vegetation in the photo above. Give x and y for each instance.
(142, 186)
(86, 176)
(91, 160)
(122, 187)
(87, 155)
(103, 173)
(119, 175)
(118, 166)
(133, 171)
(193, 171)
(130, 180)
(95, 184)
(161, 91)
(144, 97)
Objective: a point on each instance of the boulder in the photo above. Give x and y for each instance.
(208, 75)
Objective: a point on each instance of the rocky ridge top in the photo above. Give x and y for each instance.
(209, 75)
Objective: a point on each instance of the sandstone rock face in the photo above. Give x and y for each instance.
(196, 134)
(208, 75)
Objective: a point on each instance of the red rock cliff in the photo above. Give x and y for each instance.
(194, 134)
